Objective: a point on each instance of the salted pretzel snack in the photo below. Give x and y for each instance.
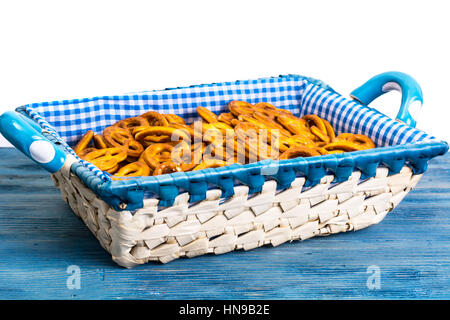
(134, 169)
(83, 143)
(107, 159)
(358, 139)
(115, 136)
(154, 143)
(131, 123)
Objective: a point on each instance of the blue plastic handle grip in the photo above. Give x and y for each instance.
(412, 98)
(26, 136)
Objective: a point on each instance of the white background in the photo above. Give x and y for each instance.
(51, 50)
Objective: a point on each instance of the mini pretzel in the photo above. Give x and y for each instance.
(330, 130)
(155, 119)
(226, 118)
(358, 139)
(240, 107)
(295, 140)
(131, 123)
(235, 151)
(113, 169)
(118, 137)
(321, 135)
(173, 118)
(212, 135)
(143, 145)
(271, 134)
(156, 154)
(135, 169)
(184, 127)
(210, 164)
(249, 119)
(320, 128)
(248, 134)
(314, 120)
(84, 142)
(269, 122)
(343, 145)
(235, 122)
(273, 113)
(218, 152)
(106, 159)
(99, 142)
(218, 126)
(322, 151)
(83, 153)
(265, 106)
(160, 134)
(207, 115)
(167, 167)
(293, 124)
(299, 151)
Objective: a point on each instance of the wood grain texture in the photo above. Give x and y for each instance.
(40, 238)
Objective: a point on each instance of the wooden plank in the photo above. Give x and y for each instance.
(40, 238)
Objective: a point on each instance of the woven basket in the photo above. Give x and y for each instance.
(235, 207)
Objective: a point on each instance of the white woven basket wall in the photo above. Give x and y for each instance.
(241, 222)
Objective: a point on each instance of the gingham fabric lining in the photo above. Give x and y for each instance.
(347, 115)
(71, 118)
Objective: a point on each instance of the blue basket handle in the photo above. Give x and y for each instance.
(412, 98)
(28, 138)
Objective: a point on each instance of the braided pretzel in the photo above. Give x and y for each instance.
(84, 142)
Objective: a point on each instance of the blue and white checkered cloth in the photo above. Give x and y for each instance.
(70, 119)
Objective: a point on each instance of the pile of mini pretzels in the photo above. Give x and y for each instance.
(145, 145)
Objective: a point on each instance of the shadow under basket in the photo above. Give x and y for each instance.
(187, 214)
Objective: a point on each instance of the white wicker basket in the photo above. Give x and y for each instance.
(235, 207)
(241, 222)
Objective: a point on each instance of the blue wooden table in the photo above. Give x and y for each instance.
(41, 239)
